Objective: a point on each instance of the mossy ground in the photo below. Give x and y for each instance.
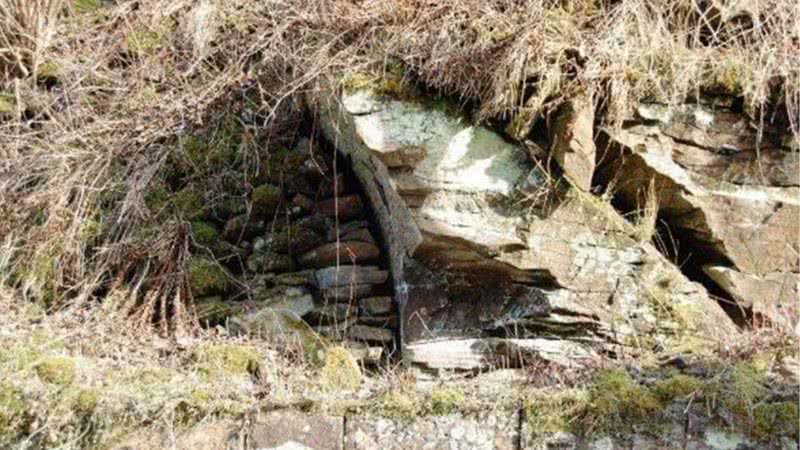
(94, 397)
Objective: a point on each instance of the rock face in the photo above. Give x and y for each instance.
(508, 264)
(733, 200)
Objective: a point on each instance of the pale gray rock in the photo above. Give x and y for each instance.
(490, 430)
(346, 275)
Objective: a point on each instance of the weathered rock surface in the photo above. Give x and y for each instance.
(495, 353)
(734, 201)
(347, 252)
(294, 430)
(483, 431)
(573, 141)
(773, 294)
(491, 265)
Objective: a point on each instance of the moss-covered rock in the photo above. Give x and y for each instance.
(226, 359)
(553, 412)
(266, 199)
(772, 419)
(617, 400)
(444, 401)
(57, 370)
(188, 203)
(677, 386)
(204, 233)
(341, 371)
(216, 311)
(206, 277)
(399, 404)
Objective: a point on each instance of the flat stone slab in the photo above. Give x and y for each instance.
(347, 251)
(377, 306)
(483, 431)
(294, 430)
(347, 275)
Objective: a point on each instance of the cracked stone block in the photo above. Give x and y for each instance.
(294, 430)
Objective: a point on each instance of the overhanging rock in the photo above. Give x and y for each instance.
(479, 264)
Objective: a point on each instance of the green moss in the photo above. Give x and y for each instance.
(743, 389)
(8, 103)
(386, 84)
(771, 419)
(204, 233)
(676, 387)
(226, 359)
(57, 370)
(444, 401)
(200, 397)
(90, 230)
(207, 277)
(86, 400)
(49, 71)
(188, 203)
(157, 197)
(12, 412)
(616, 400)
(554, 412)
(341, 371)
(399, 404)
(144, 42)
(84, 6)
(219, 147)
(265, 199)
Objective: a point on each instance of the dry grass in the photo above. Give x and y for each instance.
(27, 28)
(126, 82)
